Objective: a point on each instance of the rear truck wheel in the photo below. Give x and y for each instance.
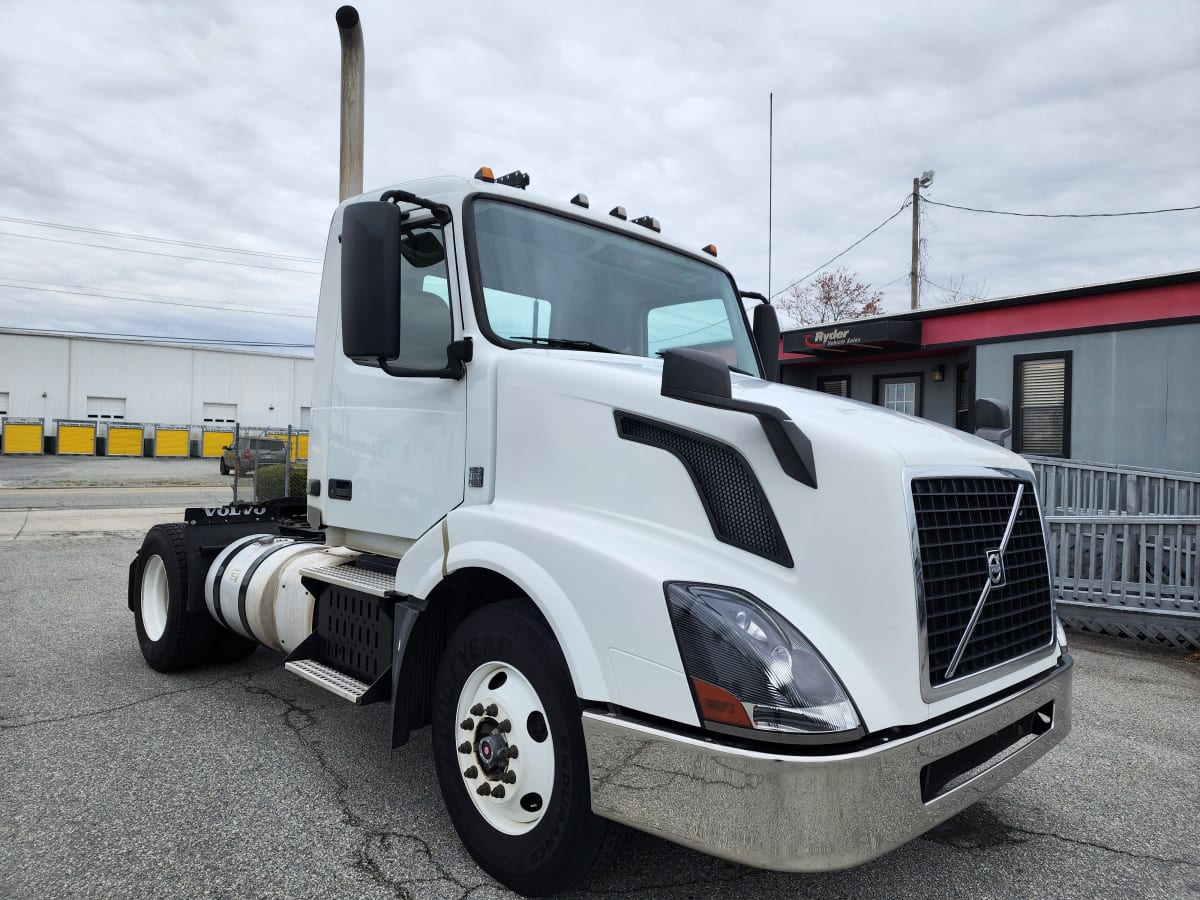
(171, 638)
(510, 757)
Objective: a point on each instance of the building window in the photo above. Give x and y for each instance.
(220, 413)
(306, 417)
(962, 397)
(838, 385)
(3, 403)
(900, 393)
(106, 408)
(1042, 394)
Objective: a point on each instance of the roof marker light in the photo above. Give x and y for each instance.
(516, 178)
(580, 200)
(485, 174)
(649, 222)
(710, 249)
(618, 211)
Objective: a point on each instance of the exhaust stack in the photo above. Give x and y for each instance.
(350, 31)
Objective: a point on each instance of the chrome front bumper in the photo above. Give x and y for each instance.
(808, 813)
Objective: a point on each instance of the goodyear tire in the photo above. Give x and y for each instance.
(524, 816)
(170, 637)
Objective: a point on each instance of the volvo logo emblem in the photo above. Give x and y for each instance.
(995, 568)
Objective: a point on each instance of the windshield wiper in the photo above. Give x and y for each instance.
(566, 343)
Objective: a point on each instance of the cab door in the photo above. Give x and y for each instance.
(397, 444)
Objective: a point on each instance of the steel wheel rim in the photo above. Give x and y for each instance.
(532, 770)
(155, 598)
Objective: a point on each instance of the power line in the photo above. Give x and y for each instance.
(903, 206)
(893, 281)
(157, 240)
(151, 337)
(222, 262)
(1026, 215)
(163, 302)
(92, 287)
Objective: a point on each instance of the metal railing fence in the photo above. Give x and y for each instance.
(1075, 487)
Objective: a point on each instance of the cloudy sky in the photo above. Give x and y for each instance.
(215, 123)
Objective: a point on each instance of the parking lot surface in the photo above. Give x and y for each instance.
(244, 781)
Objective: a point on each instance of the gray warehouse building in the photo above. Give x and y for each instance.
(1107, 373)
(126, 398)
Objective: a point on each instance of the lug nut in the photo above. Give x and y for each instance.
(505, 726)
(509, 778)
(498, 792)
(512, 752)
(491, 710)
(471, 773)
(477, 709)
(467, 724)
(464, 748)
(484, 789)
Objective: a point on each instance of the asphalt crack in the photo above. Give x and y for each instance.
(1166, 860)
(298, 719)
(13, 726)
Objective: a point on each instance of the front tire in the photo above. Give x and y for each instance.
(170, 637)
(532, 828)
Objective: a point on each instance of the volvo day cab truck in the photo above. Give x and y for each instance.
(560, 511)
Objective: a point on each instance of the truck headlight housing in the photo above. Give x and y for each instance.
(750, 668)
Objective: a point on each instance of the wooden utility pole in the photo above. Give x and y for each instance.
(916, 243)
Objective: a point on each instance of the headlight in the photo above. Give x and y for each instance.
(749, 667)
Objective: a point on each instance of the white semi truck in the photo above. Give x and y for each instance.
(560, 511)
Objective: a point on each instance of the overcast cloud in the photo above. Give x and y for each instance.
(216, 123)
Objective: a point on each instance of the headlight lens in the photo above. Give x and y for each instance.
(750, 667)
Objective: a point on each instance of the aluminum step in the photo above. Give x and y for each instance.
(364, 581)
(345, 686)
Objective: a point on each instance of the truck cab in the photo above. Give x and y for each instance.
(560, 510)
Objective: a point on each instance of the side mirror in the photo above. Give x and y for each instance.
(766, 338)
(371, 280)
(993, 421)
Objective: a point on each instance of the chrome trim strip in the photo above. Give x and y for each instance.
(932, 694)
(805, 813)
(987, 586)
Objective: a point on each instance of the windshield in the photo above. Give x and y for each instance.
(552, 281)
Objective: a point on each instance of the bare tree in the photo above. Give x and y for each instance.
(956, 291)
(831, 297)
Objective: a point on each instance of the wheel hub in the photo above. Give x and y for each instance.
(492, 750)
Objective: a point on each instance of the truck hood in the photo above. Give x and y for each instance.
(850, 585)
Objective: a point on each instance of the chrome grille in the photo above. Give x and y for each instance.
(959, 522)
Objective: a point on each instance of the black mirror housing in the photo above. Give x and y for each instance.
(993, 420)
(766, 338)
(371, 280)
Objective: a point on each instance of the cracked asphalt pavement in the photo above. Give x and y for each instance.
(244, 781)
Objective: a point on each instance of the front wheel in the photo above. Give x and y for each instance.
(510, 757)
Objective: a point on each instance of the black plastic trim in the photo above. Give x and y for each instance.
(771, 523)
(686, 377)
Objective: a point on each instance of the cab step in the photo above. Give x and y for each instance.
(345, 686)
(353, 578)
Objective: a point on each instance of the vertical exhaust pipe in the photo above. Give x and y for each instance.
(350, 31)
